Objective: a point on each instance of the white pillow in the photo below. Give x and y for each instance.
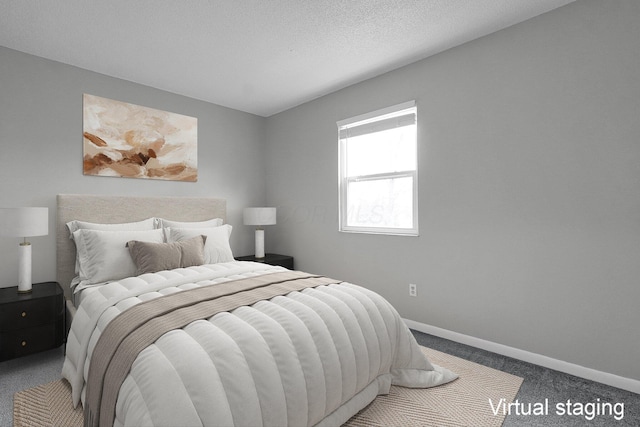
(103, 255)
(216, 248)
(146, 224)
(165, 223)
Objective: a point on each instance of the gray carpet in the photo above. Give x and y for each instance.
(539, 384)
(542, 383)
(26, 372)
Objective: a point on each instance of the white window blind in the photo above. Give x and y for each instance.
(378, 171)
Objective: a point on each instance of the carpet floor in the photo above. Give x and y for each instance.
(546, 385)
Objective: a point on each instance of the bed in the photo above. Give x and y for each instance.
(209, 340)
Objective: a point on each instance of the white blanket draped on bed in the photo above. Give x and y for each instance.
(313, 357)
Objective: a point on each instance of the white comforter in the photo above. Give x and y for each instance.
(314, 357)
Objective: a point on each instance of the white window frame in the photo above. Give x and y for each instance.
(344, 180)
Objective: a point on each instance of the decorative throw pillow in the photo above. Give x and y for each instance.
(151, 257)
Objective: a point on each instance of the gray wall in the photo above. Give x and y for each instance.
(41, 150)
(529, 182)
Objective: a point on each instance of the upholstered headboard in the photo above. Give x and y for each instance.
(116, 209)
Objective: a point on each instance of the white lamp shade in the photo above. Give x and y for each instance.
(24, 222)
(259, 216)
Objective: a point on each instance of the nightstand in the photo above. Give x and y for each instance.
(31, 322)
(271, 259)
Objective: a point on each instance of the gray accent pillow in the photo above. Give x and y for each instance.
(152, 257)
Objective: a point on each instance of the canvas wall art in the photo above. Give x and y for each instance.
(127, 140)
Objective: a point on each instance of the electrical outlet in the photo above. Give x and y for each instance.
(413, 290)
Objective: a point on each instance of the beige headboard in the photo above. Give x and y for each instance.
(116, 209)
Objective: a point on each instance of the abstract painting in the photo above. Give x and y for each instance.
(127, 140)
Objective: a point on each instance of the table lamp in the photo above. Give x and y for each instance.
(24, 222)
(259, 217)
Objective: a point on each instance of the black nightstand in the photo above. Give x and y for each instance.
(271, 259)
(31, 322)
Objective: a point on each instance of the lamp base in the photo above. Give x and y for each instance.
(259, 243)
(24, 268)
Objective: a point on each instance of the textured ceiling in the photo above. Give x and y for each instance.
(258, 56)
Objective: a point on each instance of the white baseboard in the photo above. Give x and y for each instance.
(526, 356)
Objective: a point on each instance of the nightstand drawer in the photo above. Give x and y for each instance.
(26, 314)
(31, 322)
(28, 341)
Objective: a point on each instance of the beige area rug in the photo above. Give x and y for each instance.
(463, 402)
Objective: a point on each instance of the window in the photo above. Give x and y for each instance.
(379, 171)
